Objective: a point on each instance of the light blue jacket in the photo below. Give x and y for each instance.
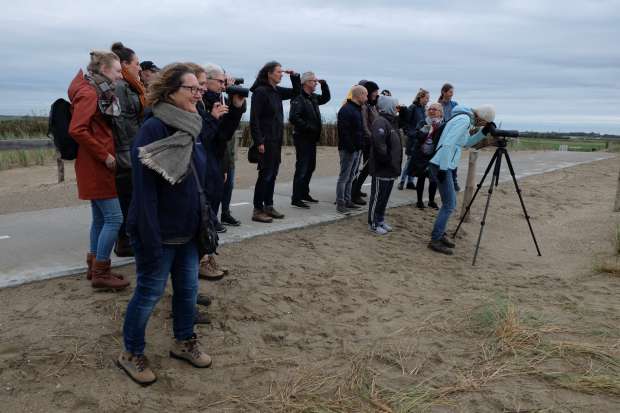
(455, 136)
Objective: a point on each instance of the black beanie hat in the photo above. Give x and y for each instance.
(371, 86)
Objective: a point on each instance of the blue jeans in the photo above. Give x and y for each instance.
(107, 220)
(448, 201)
(181, 262)
(349, 163)
(228, 190)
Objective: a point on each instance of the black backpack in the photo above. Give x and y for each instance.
(439, 131)
(58, 129)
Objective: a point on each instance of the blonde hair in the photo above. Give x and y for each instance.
(169, 81)
(100, 59)
(195, 68)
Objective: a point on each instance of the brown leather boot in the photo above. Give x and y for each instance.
(273, 213)
(260, 216)
(103, 277)
(90, 257)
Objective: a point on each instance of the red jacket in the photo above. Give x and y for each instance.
(94, 135)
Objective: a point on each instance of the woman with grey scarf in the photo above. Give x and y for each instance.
(164, 218)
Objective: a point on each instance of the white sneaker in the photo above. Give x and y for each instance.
(386, 227)
(377, 230)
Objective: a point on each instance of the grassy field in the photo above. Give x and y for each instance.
(579, 145)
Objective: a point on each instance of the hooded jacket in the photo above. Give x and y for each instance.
(93, 132)
(455, 136)
(266, 112)
(386, 151)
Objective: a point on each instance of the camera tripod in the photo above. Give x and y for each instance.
(496, 163)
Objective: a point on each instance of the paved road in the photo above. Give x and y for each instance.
(52, 243)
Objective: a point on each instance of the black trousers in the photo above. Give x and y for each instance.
(432, 188)
(305, 164)
(356, 188)
(268, 167)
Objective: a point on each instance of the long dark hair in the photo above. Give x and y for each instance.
(262, 78)
(124, 53)
(446, 87)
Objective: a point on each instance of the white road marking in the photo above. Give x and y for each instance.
(239, 204)
(368, 184)
(5, 236)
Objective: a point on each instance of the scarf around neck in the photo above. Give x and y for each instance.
(107, 100)
(137, 87)
(170, 157)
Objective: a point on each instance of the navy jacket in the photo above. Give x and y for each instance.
(209, 136)
(350, 127)
(161, 213)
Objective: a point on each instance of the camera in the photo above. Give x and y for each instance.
(237, 89)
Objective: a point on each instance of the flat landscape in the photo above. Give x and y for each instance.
(334, 319)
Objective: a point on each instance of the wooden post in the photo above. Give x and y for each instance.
(61, 168)
(617, 205)
(470, 185)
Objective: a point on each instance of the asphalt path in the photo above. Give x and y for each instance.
(52, 243)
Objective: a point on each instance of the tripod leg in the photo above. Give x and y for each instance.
(473, 198)
(527, 217)
(486, 207)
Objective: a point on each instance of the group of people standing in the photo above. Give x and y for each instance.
(152, 141)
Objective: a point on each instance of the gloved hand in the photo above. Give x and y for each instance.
(487, 128)
(441, 175)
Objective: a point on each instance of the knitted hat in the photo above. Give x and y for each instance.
(485, 112)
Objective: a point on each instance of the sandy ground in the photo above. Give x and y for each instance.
(35, 188)
(334, 319)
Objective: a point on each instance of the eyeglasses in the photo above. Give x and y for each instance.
(194, 89)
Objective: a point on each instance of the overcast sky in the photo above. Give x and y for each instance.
(546, 65)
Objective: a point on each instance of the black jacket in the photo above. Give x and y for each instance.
(386, 151)
(306, 116)
(350, 127)
(126, 125)
(228, 124)
(266, 113)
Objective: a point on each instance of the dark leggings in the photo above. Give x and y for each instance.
(432, 188)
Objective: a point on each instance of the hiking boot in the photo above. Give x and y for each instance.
(137, 368)
(352, 206)
(445, 241)
(123, 247)
(220, 228)
(189, 350)
(90, 258)
(342, 209)
(104, 278)
(437, 246)
(308, 198)
(410, 185)
(358, 201)
(433, 204)
(209, 270)
(300, 204)
(273, 213)
(379, 230)
(400, 186)
(420, 205)
(260, 216)
(201, 318)
(228, 219)
(203, 300)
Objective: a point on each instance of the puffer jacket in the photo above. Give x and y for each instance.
(386, 150)
(126, 125)
(455, 136)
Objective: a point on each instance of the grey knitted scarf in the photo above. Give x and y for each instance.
(170, 157)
